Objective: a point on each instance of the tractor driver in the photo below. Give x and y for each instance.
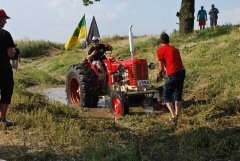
(96, 53)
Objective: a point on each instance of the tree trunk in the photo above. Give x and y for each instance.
(186, 16)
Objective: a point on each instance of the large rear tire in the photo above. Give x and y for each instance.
(81, 87)
(119, 104)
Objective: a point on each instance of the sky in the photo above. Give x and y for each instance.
(55, 20)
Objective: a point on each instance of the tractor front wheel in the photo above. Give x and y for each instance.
(119, 104)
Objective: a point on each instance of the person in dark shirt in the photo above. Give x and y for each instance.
(213, 17)
(7, 48)
(96, 53)
(170, 63)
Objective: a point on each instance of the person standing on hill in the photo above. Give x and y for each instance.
(213, 17)
(170, 63)
(202, 18)
(7, 52)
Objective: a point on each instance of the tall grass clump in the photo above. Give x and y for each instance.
(114, 38)
(210, 33)
(34, 48)
(32, 77)
(147, 45)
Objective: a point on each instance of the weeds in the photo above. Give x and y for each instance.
(208, 128)
(30, 48)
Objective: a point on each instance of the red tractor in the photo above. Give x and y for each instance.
(125, 80)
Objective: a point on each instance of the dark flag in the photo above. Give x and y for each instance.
(93, 31)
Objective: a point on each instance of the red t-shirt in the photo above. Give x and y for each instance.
(170, 56)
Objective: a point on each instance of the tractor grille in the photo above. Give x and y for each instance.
(139, 71)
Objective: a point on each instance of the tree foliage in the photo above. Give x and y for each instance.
(87, 2)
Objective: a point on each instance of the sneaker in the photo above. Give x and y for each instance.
(7, 122)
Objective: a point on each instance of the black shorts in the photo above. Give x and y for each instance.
(6, 86)
(174, 86)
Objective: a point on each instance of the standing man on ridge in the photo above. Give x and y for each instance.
(170, 63)
(213, 17)
(7, 52)
(202, 18)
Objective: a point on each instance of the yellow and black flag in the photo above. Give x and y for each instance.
(79, 33)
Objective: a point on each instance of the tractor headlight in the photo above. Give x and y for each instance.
(151, 65)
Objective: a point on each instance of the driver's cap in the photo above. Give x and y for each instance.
(3, 14)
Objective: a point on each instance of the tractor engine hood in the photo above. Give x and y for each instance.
(137, 69)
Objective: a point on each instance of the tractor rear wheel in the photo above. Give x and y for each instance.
(119, 104)
(81, 88)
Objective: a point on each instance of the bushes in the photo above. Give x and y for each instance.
(30, 48)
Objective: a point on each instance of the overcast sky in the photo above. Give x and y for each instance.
(55, 20)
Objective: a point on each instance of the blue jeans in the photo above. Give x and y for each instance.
(174, 86)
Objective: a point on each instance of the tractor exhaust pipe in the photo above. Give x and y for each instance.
(131, 43)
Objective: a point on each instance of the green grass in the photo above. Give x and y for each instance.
(208, 128)
(30, 48)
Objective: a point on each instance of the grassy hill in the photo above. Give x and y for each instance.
(208, 129)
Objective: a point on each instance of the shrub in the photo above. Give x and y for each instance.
(30, 48)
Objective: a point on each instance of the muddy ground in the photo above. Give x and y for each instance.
(58, 94)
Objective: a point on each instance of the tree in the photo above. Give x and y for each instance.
(186, 16)
(87, 2)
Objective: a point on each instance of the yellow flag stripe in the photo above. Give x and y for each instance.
(81, 29)
(82, 33)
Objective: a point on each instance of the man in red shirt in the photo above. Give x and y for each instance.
(170, 63)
